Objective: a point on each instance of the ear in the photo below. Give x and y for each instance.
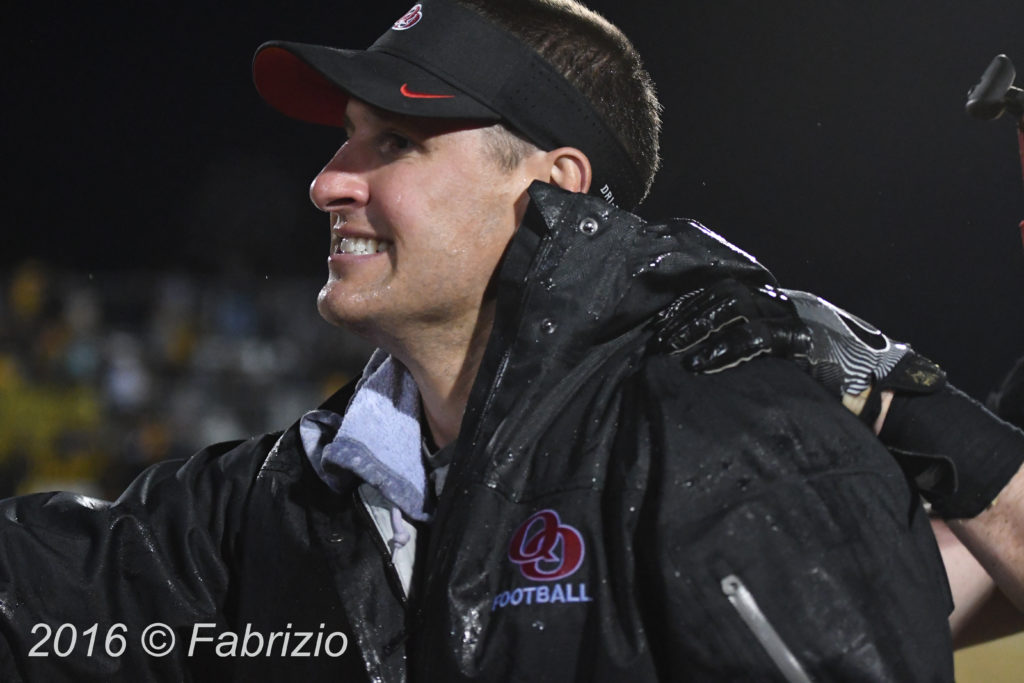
(570, 169)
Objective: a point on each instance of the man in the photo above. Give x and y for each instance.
(525, 484)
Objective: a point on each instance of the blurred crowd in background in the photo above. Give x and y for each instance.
(104, 374)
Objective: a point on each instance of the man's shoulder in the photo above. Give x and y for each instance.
(758, 389)
(274, 456)
(754, 378)
(239, 457)
(765, 404)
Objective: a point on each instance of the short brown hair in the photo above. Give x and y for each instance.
(507, 147)
(597, 59)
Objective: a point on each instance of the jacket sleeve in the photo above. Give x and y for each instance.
(82, 579)
(782, 537)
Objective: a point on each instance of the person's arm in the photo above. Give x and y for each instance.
(82, 579)
(958, 453)
(984, 507)
(996, 532)
(981, 611)
(996, 538)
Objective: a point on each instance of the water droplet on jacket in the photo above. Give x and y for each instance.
(548, 326)
(539, 625)
(548, 283)
(657, 260)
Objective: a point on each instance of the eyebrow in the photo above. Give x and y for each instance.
(378, 115)
(413, 126)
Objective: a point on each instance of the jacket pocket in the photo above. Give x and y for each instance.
(746, 606)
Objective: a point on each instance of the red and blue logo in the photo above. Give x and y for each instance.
(410, 18)
(545, 549)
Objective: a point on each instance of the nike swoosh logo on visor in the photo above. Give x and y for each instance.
(422, 95)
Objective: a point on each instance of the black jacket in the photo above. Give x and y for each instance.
(607, 517)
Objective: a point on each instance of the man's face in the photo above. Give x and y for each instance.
(420, 214)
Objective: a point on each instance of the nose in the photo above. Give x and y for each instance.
(338, 185)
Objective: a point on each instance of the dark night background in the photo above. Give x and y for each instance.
(828, 138)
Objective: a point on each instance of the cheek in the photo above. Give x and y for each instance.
(397, 201)
(486, 231)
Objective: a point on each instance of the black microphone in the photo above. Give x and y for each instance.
(995, 93)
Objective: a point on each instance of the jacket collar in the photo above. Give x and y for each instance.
(580, 273)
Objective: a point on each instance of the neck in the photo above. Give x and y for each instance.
(444, 365)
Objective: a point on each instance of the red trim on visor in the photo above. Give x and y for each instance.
(296, 89)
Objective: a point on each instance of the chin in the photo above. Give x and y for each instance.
(327, 307)
(340, 315)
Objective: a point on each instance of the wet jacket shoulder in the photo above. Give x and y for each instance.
(225, 540)
(609, 516)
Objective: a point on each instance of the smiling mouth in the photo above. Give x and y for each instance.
(360, 246)
(355, 245)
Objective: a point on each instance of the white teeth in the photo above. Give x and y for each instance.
(361, 246)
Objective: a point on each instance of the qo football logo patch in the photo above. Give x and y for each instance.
(410, 18)
(545, 549)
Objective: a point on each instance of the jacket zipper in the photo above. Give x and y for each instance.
(391, 572)
(770, 640)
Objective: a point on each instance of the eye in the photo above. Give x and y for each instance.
(394, 143)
